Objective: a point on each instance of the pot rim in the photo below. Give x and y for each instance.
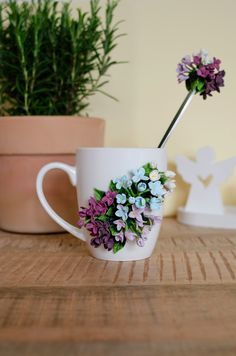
(49, 134)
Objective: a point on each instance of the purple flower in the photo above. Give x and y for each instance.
(182, 77)
(219, 81)
(96, 242)
(80, 223)
(83, 212)
(130, 235)
(108, 242)
(213, 84)
(139, 224)
(92, 227)
(203, 72)
(197, 60)
(136, 214)
(181, 68)
(183, 72)
(103, 229)
(102, 236)
(119, 224)
(95, 208)
(92, 206)
(140, 242)
(216, 63)
(100, 208)
(145, 232)
(187, 60)
(120, 236)
(109, 198)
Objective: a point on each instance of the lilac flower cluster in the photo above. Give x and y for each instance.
(201, 73)
(127, 211)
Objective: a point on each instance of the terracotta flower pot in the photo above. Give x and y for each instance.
(26, 144)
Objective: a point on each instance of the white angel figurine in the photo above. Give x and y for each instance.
(205, 176)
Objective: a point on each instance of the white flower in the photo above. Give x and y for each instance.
(153, 165)
(154, 175)
(170, 174)
(205, 57)
(170, 185)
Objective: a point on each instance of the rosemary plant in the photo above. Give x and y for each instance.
(51, 61)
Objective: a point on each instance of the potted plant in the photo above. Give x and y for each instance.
(51, 62)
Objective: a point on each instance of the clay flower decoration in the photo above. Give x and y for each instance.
(128, 210)
(202, 75)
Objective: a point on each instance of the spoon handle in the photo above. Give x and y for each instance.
(177, 118)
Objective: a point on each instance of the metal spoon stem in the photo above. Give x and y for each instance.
(177, 118)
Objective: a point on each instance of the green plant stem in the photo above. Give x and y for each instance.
(35, 58)
(25, 74)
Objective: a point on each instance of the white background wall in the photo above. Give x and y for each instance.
(159, 34)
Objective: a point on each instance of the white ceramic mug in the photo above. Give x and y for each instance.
(95, 168)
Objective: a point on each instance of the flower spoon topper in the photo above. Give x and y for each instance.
(202, 75)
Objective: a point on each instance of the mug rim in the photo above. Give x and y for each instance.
(120, 148)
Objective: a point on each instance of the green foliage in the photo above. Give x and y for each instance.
(102, 218)
(131, 225)
(148, 169)
(163, 178)
(113, 230)
(50, 61)
(98, 194)
(109, 212)
(117, 247)
(194, 82)
(112, 186)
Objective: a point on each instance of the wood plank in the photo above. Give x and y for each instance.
(184, 255)
(164, 268)
(56, 299)
(112, 348)
(160, 314)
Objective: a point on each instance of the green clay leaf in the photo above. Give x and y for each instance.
(200, 85)
(102, 218)
(113, 230)
(109, 212)
(112, 186)
(130, 225)
(98, 194)
(195, 83)
(148, 169)
(86, 220)
(163, 179)
(117, 247)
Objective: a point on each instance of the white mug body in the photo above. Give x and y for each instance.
(95, 168)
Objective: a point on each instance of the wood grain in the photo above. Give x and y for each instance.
(55, 299)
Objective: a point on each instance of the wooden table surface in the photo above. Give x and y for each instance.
(57, 300)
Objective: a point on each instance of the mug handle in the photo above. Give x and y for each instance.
(71, 171)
